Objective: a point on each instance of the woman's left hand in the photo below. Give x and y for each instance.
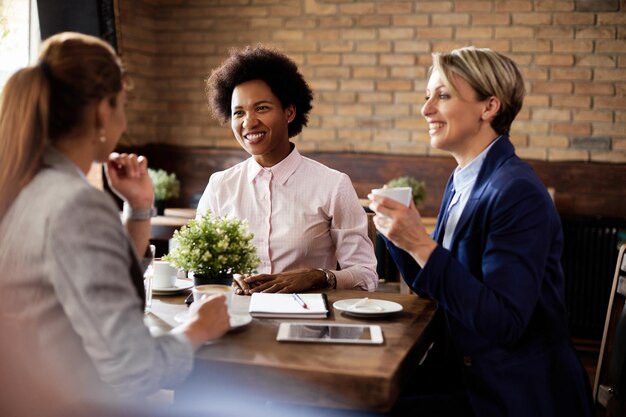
(128, 178)
(298, 280)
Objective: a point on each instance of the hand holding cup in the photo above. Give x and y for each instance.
(401, 194)
(209, 319)
(204, 291)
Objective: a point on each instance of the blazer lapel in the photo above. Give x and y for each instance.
(439, 227)
(498, 154)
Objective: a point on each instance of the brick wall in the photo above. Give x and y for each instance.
(367, 61)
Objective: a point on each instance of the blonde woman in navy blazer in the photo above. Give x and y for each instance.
(493, 261)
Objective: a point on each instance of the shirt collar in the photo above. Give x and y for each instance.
(464, 177)
(281, 171)
(54, 158)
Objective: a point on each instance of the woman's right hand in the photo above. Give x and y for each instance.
(128, 178)
(209, 320)
(403, 226)
(241, 286)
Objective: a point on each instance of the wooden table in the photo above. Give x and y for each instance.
(322, 375)
(184, 212)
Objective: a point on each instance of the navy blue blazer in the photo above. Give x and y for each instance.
(500, 287)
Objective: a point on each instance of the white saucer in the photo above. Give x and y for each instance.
(239, 320)
(179, 286)
(370, 308)
(236, 320)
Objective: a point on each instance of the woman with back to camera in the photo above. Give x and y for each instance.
(493, 262)
(306, 218)
(68, 266)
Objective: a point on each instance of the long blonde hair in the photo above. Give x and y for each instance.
(43, 102)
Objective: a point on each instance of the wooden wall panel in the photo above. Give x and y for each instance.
(582, 188)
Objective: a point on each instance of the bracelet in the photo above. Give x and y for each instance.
(331, 279)
(138, 213)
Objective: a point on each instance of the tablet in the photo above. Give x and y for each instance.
(366, 334)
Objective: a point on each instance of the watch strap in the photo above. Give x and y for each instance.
(138, 213)
(331, 279)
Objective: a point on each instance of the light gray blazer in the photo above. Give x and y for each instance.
(68, 268)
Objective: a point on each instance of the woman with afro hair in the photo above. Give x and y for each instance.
(309, 228)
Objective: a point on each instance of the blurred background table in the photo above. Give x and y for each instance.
(162, 227)
(182, 212)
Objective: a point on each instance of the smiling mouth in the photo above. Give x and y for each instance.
(254, 137)
(436, 125)
(433, 127)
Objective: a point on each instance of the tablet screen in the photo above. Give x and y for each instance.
(330, 333)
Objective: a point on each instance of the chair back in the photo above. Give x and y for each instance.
(371, 228)
(609, 391)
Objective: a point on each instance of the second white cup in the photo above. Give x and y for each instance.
(200, 291)
(400, 194)
(164, 274)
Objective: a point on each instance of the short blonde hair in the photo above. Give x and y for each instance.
(489, 73)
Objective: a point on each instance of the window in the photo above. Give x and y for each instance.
(19, 36)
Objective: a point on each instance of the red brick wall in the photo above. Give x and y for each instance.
(367, 61)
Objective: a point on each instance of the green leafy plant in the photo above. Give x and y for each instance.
(4, 29)
(418, 187)
(214, 245)
(166, 186)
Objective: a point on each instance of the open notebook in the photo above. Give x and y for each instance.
(274, 305)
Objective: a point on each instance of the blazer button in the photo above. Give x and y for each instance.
(467, 360)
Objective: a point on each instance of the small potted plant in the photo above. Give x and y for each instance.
(214, 248)
(166, 186)
(418, 187)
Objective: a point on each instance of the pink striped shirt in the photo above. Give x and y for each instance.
(303, 215)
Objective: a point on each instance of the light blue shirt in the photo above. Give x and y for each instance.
(463, 182)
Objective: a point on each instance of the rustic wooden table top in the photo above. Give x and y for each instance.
(367, 377)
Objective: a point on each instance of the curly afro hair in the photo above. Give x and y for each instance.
(260, 63)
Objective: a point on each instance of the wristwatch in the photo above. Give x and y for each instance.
(331, 279)
(138, 214)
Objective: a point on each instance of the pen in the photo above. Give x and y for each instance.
(299, 300)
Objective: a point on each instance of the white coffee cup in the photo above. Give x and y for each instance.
(400, 194)
(164, 274)
(201, 291)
